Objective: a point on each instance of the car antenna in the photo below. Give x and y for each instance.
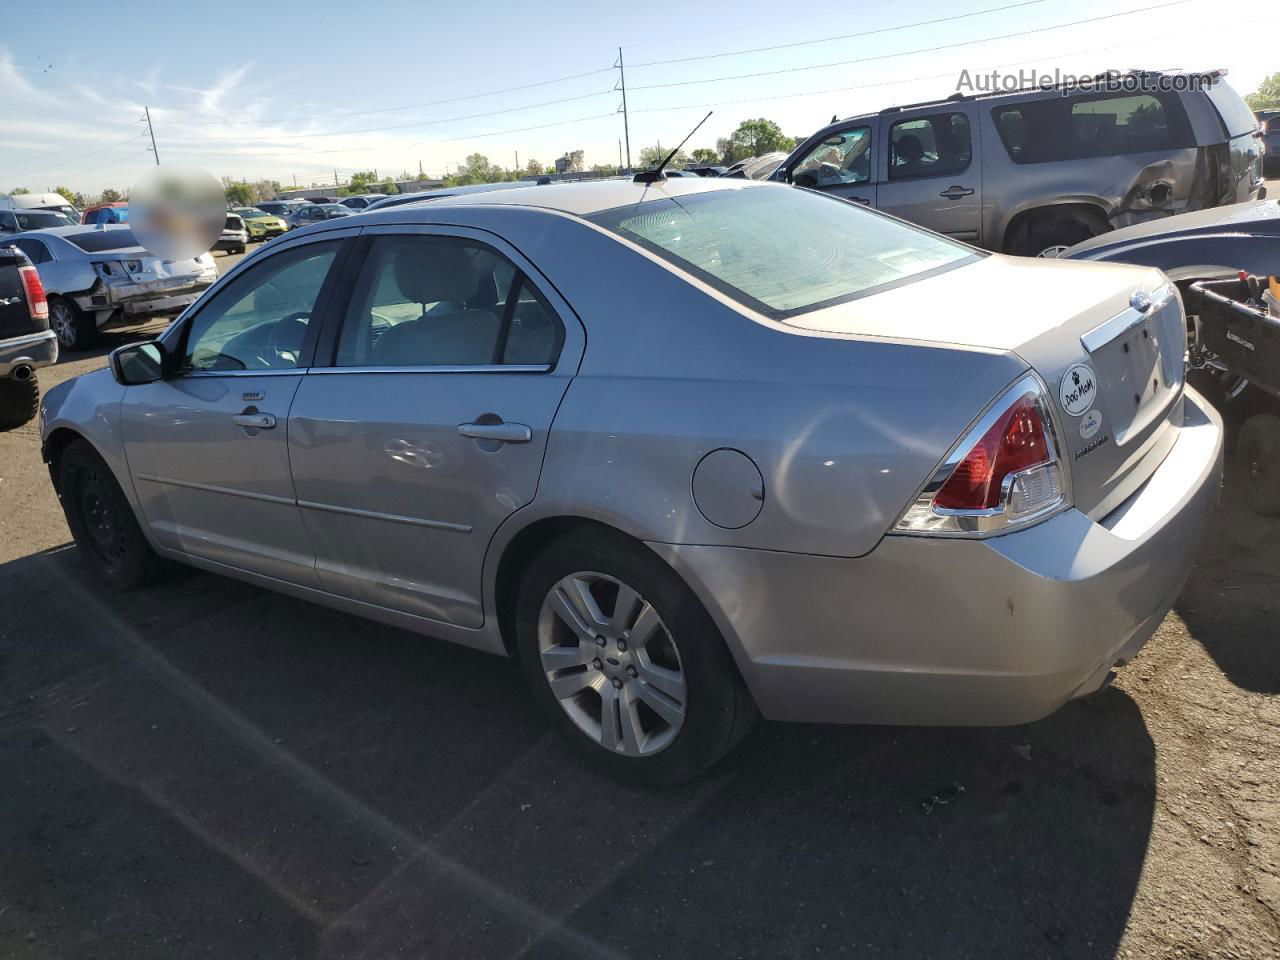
(656, 174)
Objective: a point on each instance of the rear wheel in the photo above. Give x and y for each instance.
(1258, 453)
(74, 330)
(626, 662)
(102, 521)
(1052, 235)
(19, 401)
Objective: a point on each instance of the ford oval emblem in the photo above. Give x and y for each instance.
(1140, 301)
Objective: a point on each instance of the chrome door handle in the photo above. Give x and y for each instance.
(502, 432)
(259, 421)
(955, 193)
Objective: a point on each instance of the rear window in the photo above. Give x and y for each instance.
(97, 241)
(1235, 113)
(1077, 128)
(38, 220)
(784, 251)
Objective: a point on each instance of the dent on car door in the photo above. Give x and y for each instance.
(206, 446)
(933, 173)
(842, 163)
(429, 428)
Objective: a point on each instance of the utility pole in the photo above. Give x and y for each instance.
(517, 161)
(295, 181)
(153, 135)
(421, 175)
(619, 153)
(335, 178)
(626, 124)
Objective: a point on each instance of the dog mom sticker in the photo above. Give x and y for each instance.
(1078, 388)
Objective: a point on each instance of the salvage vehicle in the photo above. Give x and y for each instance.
(1212, 244)
(260, 224)
(400, 199)
(235, 235)
(362, 200)
(40, 201)
(315, 213)
(1036, 171)
(26, 343)
(96, 276)
(117, 212)
(16, 221)
(690, 449)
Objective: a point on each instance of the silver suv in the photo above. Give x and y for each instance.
(1036, 171)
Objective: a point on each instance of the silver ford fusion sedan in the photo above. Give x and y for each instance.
(689, 450)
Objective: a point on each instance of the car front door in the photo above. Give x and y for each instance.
(933, 173)
(207, 446)
(842, 163)
(428, 429)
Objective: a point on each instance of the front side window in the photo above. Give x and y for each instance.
(444, 301)
(930, 146)
(782, 251)
(260, 320)
(843, 157)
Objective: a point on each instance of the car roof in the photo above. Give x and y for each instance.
(586, 197)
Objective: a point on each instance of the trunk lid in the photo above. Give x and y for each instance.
(1114, 371)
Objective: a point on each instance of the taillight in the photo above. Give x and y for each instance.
(34, 289)
(1005, 472)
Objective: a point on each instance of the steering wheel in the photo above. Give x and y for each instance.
(286, 337)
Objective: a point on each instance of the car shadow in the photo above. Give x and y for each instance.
(204, 766)
(1230, 603)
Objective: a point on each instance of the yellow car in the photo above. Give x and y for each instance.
(261, 225)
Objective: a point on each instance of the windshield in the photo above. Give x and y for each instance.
(781, 250)
(98, 241)
(39, 220)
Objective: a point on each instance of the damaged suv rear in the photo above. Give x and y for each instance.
(1035, 171)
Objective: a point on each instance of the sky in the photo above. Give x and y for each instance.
(287, 91)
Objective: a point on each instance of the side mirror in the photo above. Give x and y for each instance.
(138, 363)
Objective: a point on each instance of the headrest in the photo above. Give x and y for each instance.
(910, 149)
(441, 272)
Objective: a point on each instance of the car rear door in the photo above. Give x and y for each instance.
(933, 170)
(207, 446)
(429, 427)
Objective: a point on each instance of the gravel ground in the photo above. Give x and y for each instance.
(208, 769)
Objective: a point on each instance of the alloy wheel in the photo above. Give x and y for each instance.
(612, 664)
(63, 323)
(1054, 252)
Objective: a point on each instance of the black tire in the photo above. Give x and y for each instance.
(102, 521)
(718, 710)
(1050, 232)
(238, 250)
(73, 328)
(19, 401)
(1258, 460)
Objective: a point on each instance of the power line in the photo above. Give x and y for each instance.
(65, 147)
(845, 36)
(113, 160)
(407, 106)
(400, 126)
(79, 157)
(906, 53)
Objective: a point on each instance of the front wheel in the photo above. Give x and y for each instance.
(626, 662)
(1258, 450)
(102, 521)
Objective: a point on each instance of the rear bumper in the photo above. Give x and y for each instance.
(964, 632)
(34, 350)
(144, 299)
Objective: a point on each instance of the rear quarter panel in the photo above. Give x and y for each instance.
(843, 430)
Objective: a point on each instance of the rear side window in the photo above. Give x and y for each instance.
(36, 251)
(1077, 128)
(1236, 116)
(1273, 125)
(425, 301)
(929, 146)
(99, 241)
(783, 251)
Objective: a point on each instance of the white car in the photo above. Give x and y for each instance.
(235, 235)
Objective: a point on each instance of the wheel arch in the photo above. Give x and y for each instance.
(1020, 223)
(516, 553)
